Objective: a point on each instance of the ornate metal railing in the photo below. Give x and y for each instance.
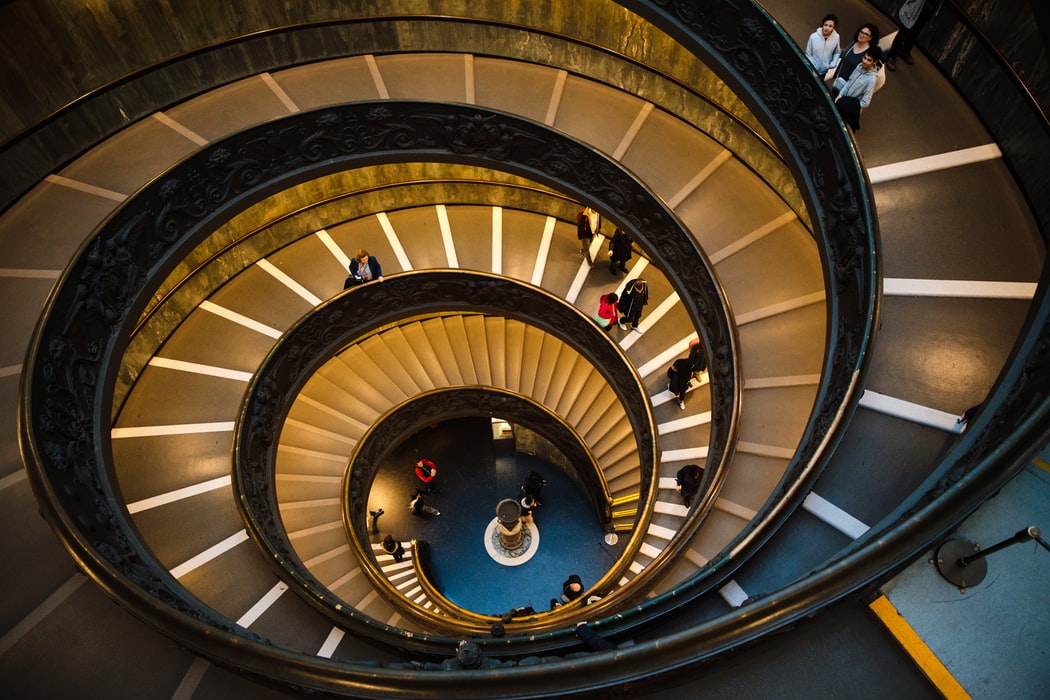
(79, 345)
(75, 353)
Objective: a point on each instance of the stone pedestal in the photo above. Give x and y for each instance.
(508, 516)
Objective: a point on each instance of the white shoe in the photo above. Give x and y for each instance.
(622, 326)
(681, 404)
(636, 329)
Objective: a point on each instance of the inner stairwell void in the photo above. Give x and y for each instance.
(190, 387)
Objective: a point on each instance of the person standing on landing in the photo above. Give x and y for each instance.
(912, 16)
(823, 46)
(426, 471)
(634, 298)
(571, 589)
(850, 58)
(533, 486)
(417, 506)
(858, 91)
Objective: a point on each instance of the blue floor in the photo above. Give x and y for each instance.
(472, 478)
(966, 630)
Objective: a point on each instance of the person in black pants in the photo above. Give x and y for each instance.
(678, 376)
(634, 298)
(533, 486)
(417, 506)
(913, 15)
(394, 548)
(619, 251)
(688, 482)
(697, 359)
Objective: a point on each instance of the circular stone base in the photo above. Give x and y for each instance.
(511, 557)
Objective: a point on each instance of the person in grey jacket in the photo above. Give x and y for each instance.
(856, 94)
(823, 47)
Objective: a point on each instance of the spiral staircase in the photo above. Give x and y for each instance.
(203, 409)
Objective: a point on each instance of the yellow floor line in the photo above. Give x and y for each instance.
(917, 650)
(1041, 464)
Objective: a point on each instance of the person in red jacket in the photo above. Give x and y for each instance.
(608, 311)
(426, 471)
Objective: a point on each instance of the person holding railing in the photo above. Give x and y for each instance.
(363, 268)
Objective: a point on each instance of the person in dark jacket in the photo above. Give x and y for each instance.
(688, 482)
(591, 639)
(678, 376)
(697, 358)
(634, 298)
(571, 589)
(363, 268)
(619, 251)
(533, 486)
(417, 506)
(394, 548)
